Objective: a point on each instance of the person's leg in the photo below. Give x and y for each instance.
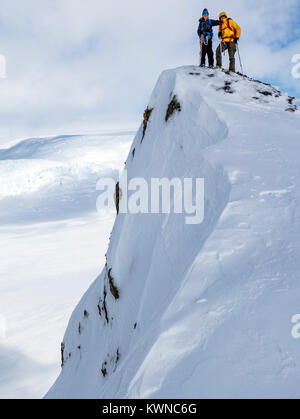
(203, 57)
(210, 54)
(219, 56)
(231, 52)
(203, 53)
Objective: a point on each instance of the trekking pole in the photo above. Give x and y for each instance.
(200, 57)
(222, 53)
(201, 48)
(240, 59)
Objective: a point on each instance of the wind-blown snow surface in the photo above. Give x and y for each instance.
(205, 310)
(51, 243)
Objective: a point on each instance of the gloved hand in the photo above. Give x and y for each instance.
(236, 40)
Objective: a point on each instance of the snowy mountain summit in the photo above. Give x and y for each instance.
(200, 310)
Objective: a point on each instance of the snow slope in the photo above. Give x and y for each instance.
(51, 243)
(55, 178)
(204, 310)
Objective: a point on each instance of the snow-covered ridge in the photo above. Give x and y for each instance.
(200, 311)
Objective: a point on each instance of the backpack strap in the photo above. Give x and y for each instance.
(230, 27)
(221, 30)
(208, 35)
(207, 21)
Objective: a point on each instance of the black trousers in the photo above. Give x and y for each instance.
(207, 50)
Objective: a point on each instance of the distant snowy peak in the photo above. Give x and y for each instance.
(200, 310)
(48, 178)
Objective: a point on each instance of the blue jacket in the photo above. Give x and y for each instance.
(206, 27)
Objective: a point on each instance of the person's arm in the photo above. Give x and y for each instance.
(237, 29)
(215, 22)
(220, 34)
(199, 29)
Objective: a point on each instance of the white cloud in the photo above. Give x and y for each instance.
(79, 64)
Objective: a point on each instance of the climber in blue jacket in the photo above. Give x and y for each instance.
(205, 32)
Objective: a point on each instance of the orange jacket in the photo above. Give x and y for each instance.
(229, 30)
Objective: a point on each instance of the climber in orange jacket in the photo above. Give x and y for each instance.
(229, 33)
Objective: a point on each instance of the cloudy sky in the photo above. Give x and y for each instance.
(87, 66)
